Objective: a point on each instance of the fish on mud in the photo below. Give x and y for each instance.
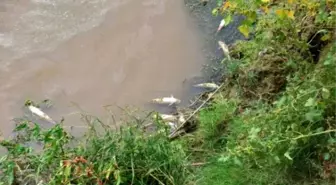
(225, 49)
(165, 117)
(211, 86)
(166, 100)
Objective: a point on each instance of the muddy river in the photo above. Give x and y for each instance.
(94, 53)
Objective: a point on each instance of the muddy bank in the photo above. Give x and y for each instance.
(208, 24)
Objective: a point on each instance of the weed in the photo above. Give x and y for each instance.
(281, 128)
(127, 156)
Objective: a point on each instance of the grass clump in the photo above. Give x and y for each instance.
(127, 156)
(281, 127)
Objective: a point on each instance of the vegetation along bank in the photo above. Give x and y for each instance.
(271, 120)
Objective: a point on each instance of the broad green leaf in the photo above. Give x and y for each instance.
(254, 132)
(228, 19)
(325, 93)
(320, 129)
(325, 37)
(245, 30)
(214, 12)
(282, 101)
(331, 140)
(237, 161)
(219, 2)
(310, 102)
(252, 16)
(327, 62)
(67, 171)
(223, 158)
(277, 159)
(313, 116)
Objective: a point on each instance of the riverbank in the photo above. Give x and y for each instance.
(272, 121)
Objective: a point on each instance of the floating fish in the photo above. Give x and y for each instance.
(40, 113)
(221, 25)
(225, 49)
(167, 100)
(165, 117)
(208, 86)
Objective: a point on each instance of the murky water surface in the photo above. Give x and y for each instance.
(93, 53)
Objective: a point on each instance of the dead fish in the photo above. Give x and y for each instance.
(172, 125)
(40, 113)
(207, 85)
(165, 117)
(221, 25)
(181, 119)
(167, 100)
(225, 49)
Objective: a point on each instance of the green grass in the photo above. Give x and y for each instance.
(127, 156)
(272, 123)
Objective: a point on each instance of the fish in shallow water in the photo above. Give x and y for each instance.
(211, 86)
(165, 117)
(225, 49)
(181, 119)
(172, 125)
(167, 100)
(40, 113)
(221, 25)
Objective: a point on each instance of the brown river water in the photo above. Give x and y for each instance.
(94, 53)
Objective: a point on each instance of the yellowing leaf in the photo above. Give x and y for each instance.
(245, 30)
(265, 1)
(290, 1)
(265, 9)
(226, 5)
(233, 5)
(290, 14)
(280, 13)
(325, 37)
(285, 13)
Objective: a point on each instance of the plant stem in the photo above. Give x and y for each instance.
(309, 135)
